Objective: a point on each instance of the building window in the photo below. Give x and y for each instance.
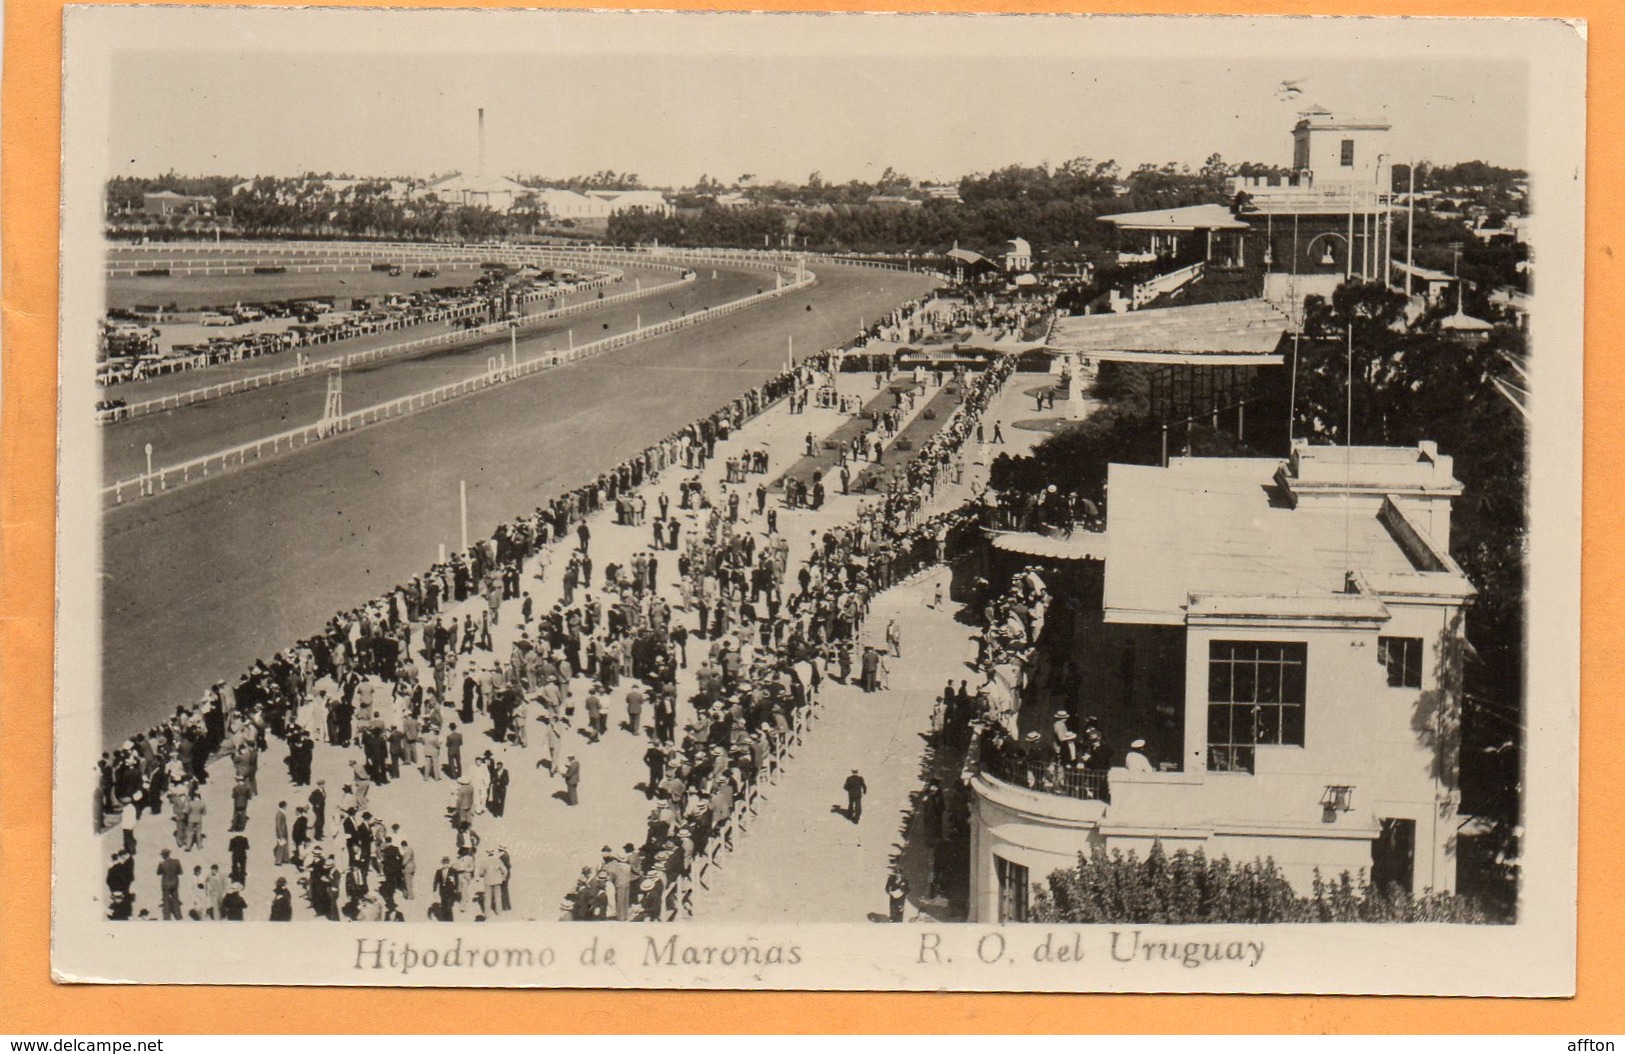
(1013, 890)
(1348, 153)
(1255, 694)
(1402, 656)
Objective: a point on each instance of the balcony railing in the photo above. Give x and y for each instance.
(1046, 774)
(1037, 518)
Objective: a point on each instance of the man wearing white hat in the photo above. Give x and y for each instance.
(1135, 760)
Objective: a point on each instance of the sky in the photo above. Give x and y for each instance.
(674, 97)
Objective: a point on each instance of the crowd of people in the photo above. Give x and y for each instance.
(403, 685)
(999, 316)
(764, 664)
(1012, 509)
(1025, 672)
(406, 688)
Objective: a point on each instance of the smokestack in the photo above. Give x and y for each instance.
(481, 170)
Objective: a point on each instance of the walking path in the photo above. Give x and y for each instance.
(802, 859)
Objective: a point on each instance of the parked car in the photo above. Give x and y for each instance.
(215, 318)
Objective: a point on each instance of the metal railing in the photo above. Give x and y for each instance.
(1045, 773)
(460, 336)
(679, 900)
(163, 479)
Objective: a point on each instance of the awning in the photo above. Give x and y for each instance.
(1079, 545)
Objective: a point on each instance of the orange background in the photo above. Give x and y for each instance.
(31, 1003)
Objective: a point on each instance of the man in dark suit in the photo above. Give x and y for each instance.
(233, 906)
(301, 835)
(855, 790)
(572, 780)
(169, 884)
(239, 857)
(280, 853)
(655, 758)
(281, 902)
(897, 893)
(318, 810)
(454, 751)
(871, 669)
(445, 888)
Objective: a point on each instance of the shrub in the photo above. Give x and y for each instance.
(1187, 887)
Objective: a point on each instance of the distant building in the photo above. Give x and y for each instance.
(652, 201)
(894, 200)
(572, 205)
(1332, 214)
(169, 203)
(498, 193)
(1018, 255)
(940, 191)
(1209, 233)
(1429, 284)
(1286, 639)
(966, 266)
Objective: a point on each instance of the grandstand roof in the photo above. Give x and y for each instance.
(1190, 218)
(1234, 333)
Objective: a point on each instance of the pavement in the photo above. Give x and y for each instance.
(802, 859)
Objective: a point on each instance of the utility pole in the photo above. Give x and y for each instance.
(1410, 227)
(1348, 254)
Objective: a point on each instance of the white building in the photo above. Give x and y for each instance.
(1018, 255)
(652, 201)
(571, 205)
(498, 193)
(1287, 638)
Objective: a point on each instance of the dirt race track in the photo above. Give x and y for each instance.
(196, 431)
(201, 582)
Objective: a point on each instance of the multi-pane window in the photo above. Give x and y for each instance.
(1255, 693)
(1402, 657)
(1348, 153)
(1013, 890)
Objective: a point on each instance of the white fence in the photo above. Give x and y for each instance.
(162, 479)
(459, 336)
(206, 254)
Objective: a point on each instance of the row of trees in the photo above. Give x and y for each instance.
(1189, 888)
(1051, 208)
(1055, 208)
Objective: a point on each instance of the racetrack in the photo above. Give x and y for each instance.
(191, 292)
(201, 582)
(185, 380)
(195, 431)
